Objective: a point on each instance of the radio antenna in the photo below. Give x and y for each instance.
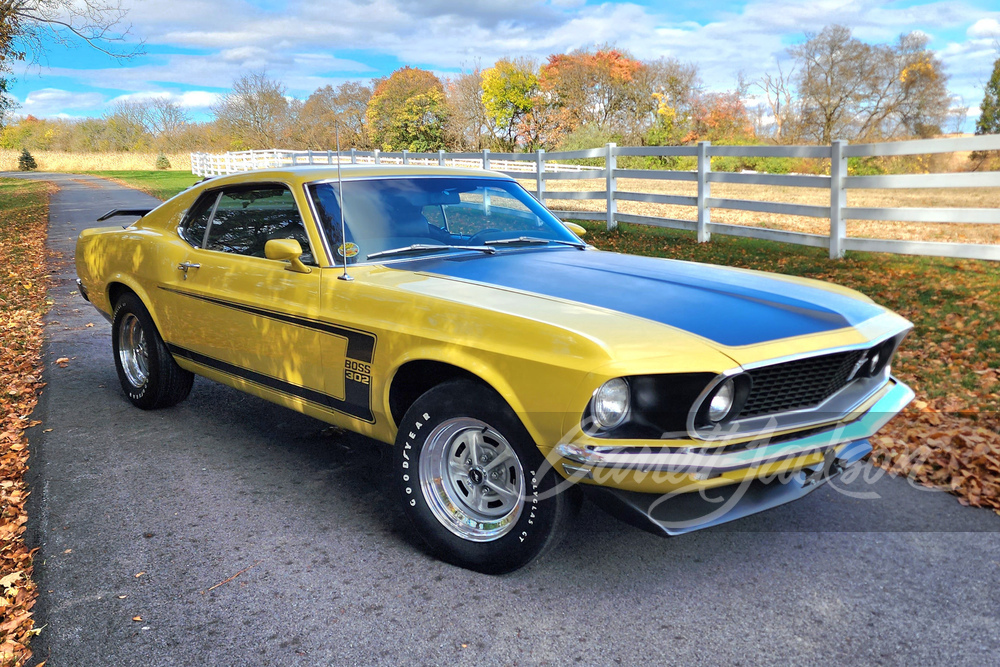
(343, 227)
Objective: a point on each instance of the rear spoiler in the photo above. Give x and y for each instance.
(124, 211)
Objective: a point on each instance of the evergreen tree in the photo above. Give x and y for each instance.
(989, 118)
(25, 162)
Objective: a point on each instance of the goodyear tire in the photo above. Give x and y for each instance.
(472, 482)
(148, 373)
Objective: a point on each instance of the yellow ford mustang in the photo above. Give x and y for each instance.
(513, 366)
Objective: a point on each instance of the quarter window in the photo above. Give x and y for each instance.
(246, 218)
(193, 230)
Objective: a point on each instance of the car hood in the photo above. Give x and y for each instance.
(730, 307)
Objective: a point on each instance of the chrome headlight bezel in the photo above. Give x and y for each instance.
(611, 404)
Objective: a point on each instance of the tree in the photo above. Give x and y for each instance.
(721, 118)
(25, 161)
(671, 88)
(468, 126)
(254, 113)
(26, 25)
(989, 116)
(852, 90)
(780, 94)
(407, 110)
(510, 91)
(329, 107)
(127, 127)
(594, 87)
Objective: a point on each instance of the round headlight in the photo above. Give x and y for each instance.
(722, 401)
(611, 403)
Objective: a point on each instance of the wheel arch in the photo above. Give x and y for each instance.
(118, 286)
(416, 377)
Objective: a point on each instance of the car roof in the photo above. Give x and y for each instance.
(325, 172)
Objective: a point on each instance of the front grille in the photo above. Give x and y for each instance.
(798, 384)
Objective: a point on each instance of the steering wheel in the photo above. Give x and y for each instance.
(475, 236)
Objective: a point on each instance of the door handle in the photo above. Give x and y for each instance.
(184, 266)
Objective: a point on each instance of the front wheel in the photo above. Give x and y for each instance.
(473, 483)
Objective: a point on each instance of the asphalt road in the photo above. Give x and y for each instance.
(189, 496)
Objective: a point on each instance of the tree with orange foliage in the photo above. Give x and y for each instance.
(595, 88)
(721, 118)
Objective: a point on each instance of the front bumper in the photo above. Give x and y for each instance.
(679, 513)
(747, 481)
(582, 462)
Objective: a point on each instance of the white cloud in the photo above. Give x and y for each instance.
(984, 28)
(192, 99)
(49, 102)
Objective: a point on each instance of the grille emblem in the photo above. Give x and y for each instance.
(857, 366)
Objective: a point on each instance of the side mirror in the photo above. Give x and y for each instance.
(576, 229)
(287, 250)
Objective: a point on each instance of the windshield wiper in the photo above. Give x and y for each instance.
(428, 247)
(531, 240)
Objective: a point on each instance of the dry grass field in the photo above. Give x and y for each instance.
(917, 198)
(63, 161)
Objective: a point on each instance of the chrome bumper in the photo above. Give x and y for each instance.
(703, 464)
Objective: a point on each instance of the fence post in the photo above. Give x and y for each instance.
(406, 156)
(704, 192)
(611, 184)
(310, 155)
(378, 160)
(329, 157)
(838, 199)
(486, 158)
(354, 156)
(229, 158)
(441, 157)
(295, 159)
(540, 175)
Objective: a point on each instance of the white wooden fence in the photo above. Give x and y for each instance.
(543, 168)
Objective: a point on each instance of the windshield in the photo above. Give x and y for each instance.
(394, 213)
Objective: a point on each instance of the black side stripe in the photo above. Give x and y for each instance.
(360, 344)
(356, 403)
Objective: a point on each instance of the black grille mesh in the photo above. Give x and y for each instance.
(798, 384)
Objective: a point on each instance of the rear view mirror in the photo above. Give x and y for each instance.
(575, 228)
(286, 250)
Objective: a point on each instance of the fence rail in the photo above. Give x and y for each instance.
(541, 167)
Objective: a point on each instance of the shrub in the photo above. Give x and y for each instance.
(162, 162)
(25, 162)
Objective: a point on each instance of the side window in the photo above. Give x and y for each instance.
(246, 218)
(193, 228)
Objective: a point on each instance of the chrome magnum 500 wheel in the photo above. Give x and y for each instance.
(473, 483)
(148, 373)
(471, 479)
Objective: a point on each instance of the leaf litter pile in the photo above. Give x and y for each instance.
(950, 436)
(23, 282)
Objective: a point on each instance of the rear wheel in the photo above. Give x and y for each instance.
(148, 373)
(473, 483)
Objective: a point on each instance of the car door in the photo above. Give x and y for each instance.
(231, 309)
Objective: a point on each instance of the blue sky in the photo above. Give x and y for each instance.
(195, 48)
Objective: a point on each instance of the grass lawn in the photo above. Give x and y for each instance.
(161, 184)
